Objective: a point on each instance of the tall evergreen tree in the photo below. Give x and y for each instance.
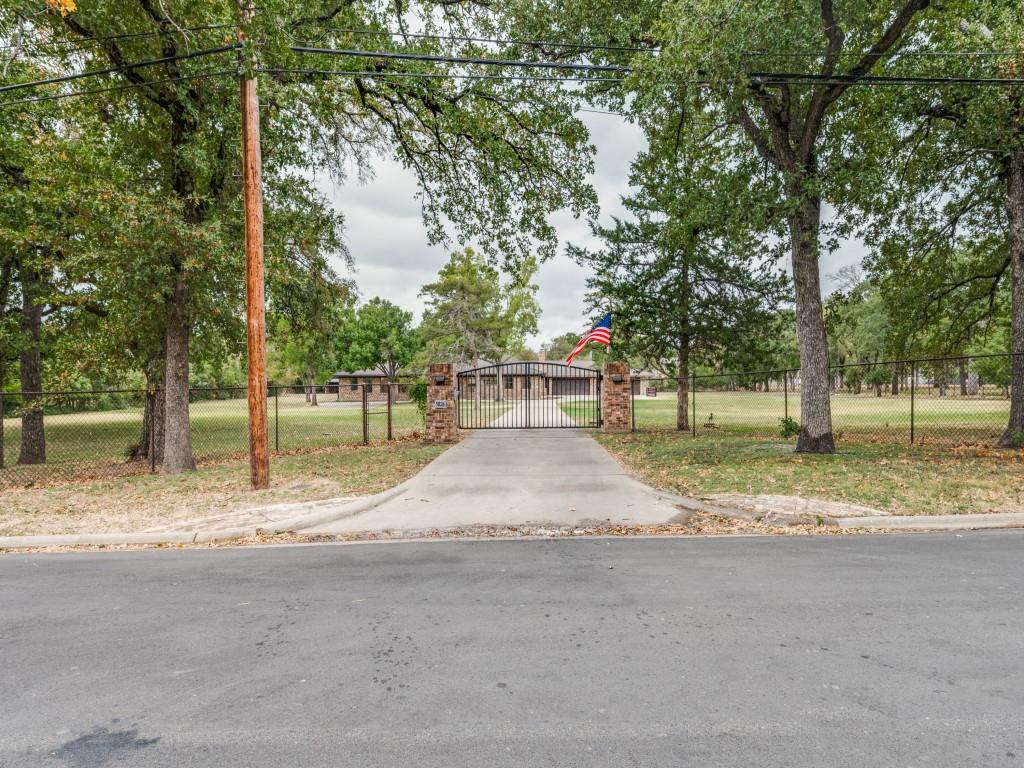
(690, 275)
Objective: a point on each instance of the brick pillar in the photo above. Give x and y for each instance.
(616, 398)
(442, 426)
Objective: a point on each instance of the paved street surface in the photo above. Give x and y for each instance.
(832, 651)
(512, 477)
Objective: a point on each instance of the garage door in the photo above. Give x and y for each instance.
(573, 386)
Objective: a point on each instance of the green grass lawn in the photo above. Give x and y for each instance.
(479, 416)
(147, 501)
(896, 478)
(952, 420)
(97, 443)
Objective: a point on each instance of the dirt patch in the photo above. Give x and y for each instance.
(161, 502)
(122, 506)
(771, 504)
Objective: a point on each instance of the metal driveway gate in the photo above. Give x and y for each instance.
(529, 395)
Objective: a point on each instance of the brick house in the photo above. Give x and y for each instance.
(533, 378)
(348, 386)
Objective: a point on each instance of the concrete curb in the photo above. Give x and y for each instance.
(694, 505)
(350, 509)
(936, 522)
(98, 539)
(991, 520)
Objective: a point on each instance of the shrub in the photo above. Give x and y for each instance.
(790, 427)
(418, 394)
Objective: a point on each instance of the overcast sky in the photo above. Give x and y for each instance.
(385, 233)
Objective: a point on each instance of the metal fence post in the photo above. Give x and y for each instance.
(277, 419)
(2, 446)
(913, 386)
(693, 395)
(526, 384)
(390, 389)
(785, 395)
(632, 406)
(150, 429)
(366, 419)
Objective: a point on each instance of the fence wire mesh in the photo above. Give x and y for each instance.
(51, 437)
(938, 401)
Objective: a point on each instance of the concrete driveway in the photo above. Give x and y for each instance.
(541, 412)
(512, 477)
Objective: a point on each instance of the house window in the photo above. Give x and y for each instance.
(369, 384)
(508, 382)
(353, 383)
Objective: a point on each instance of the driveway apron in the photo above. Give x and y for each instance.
(514, 477)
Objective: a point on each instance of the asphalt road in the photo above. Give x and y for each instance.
(853, 651)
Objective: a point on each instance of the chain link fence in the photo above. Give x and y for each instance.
(937, 401)
(52, 437)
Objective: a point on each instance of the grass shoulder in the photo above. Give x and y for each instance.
(896, 479)
(143, 502)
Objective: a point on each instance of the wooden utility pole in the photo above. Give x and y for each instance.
(252, 193)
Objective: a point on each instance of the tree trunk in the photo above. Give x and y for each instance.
(815, 406)
(153, 420)
(683, 388)
(963, 377)
(1015, 210)
(896, 374)
(177, 434)
(311, 377)
(33, 438)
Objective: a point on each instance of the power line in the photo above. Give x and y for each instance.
(780, 78)
(440, 75)
(894, 54)
(117, 70)
(762, 77)
(126, 87)
(461, 59)
(497, 40)
(110, 38)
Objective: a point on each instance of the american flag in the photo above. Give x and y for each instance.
(599, 334)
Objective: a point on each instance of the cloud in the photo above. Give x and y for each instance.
(385, 233)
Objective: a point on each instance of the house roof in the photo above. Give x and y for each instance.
(515, 368)
(358, 374)
(529, 367)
